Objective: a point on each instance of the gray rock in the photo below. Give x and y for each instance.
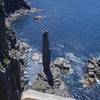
(93, 71)
(59, 88)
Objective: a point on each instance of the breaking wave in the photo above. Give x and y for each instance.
(74, 84)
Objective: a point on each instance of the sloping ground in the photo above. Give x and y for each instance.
(34, 95)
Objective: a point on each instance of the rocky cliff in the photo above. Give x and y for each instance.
(10, 65)
(12, 5)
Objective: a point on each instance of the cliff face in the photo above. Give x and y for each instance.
(8, 7)
(10, 67)
(12, 5)
(3, 42)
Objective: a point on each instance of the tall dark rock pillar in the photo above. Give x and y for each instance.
(46, 51)
(46, 58)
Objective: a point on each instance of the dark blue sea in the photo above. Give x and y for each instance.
(74, 32)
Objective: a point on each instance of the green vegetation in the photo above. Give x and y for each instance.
(6, 61)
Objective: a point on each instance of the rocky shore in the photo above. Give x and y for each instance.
(12, 5)
(59, 66)
(20, 52)
(18, 13)
(13, 65)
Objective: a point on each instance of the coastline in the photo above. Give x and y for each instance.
(25, 52)
(19, 13)
(23, 48)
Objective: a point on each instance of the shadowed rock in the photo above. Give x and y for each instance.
(16, 75)
(46, 58)
(10, 88)
(13, 5)
(3, 36)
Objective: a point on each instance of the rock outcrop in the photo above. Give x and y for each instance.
(10, 66)
(12, 61)
(50, 80)
(59, 66)
(46, 58)
(92, 71)
(12, 5)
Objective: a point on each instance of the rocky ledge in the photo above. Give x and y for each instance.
(34, 95)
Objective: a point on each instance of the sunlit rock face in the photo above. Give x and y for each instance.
(12, 5)
(34, 95)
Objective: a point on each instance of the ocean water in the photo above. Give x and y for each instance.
(74, 30)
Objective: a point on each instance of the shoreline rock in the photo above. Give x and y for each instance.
(19, 13)
(12, 5)
(38, 18)
(58, 66)
(59, 88)
(20, 51)
(92, 72)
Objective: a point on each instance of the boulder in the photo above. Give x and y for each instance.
(38, 18)
(63, 64)
(93, 72)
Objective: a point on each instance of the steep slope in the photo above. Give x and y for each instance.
(10, 66)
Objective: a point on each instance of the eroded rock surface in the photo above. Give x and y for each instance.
(59, 88)
(93, 71)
